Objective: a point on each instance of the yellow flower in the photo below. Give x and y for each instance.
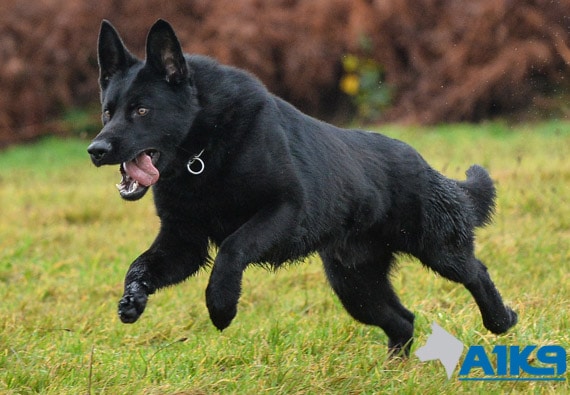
(350, 63)
(349, 84)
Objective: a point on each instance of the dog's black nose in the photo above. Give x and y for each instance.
(98, 149)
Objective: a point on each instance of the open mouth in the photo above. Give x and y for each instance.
(138, 175)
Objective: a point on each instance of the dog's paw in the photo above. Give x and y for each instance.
(399, 349)
(131, 306)
(500, 326)
(222, 308)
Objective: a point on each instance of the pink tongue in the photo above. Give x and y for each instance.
(142, 170)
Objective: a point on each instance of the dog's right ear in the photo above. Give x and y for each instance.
(112, 53)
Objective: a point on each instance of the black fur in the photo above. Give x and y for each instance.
(278, 185)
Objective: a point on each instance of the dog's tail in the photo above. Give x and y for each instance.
(481, 191)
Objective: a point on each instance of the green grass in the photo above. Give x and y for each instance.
(66, 240)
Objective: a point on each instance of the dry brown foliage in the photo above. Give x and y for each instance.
(447, 60)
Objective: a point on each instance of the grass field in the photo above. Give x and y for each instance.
(66, 240)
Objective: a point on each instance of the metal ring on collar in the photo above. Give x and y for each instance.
(193, 160)
(197, 171)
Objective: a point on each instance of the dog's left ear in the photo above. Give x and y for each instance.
(164, 53)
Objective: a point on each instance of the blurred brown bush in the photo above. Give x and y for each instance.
(446, 60)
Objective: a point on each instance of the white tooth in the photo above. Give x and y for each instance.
(119, 187)
(134, 187)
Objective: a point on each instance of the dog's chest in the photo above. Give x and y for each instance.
(218, 211)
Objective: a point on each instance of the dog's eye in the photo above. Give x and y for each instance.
(106, 114)
(141, 111)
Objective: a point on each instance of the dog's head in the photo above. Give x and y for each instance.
(148, 107)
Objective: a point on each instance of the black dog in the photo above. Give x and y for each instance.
(232, 164)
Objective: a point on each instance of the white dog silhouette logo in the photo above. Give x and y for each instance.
(443, 346)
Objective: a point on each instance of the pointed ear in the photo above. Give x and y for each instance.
(113, 55)
(164, 54)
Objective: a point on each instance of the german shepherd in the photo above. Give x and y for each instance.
(233, 165)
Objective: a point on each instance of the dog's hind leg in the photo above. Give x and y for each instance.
(366, 293)
(497, 317)
(466, 269)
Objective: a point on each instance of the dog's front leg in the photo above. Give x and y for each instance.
(267, 230)
(174, 256)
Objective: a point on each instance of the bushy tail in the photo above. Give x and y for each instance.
(481, 190)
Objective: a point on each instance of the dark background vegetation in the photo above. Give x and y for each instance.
(443, 60)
